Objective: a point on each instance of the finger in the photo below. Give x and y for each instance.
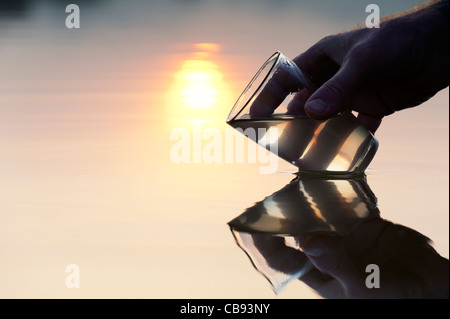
(297, 104)
(323, 55)
(270, 97)
(311, 59)
(277, 255)
(370, 122)
(368, 100)
(314, 62)
(283, 82)
(335, 94)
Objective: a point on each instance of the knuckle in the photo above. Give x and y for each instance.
(327, 39)
(323, 44)
(359, 53)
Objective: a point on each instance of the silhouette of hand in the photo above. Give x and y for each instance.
(374, 72)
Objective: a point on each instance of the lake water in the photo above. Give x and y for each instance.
(88, 173)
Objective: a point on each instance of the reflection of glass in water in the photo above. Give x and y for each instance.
(305, 206)
(339, 145)
(310, 205)
(268, 262)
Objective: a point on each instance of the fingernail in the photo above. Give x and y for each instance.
(317, 106)
(315, 252)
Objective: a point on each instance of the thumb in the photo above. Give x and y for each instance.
(335, 95)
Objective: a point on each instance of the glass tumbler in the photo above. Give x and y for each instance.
(338, 146)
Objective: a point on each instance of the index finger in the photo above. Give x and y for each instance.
(286, 79)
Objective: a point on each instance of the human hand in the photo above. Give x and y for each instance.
(374, 72)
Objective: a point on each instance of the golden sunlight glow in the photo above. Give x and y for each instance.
(198, 88)
(207, 47)
(199, 82)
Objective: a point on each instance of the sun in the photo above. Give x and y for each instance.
(199, 89)
(199, 83)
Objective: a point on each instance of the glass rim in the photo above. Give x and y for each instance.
(275, 56)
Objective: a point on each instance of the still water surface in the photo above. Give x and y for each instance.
(86, 117)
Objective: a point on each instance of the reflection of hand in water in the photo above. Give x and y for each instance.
(326, 232)
(409, 266)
